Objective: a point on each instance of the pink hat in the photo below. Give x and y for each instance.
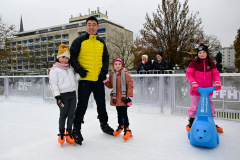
(117, 59)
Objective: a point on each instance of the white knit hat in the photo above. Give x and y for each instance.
(145, 56)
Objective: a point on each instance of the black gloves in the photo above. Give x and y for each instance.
(129, 101)
(59, 101)
(82, 72)
(102, 76)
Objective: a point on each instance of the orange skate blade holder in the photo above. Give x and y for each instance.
(130, 137)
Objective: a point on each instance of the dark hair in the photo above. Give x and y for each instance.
(92, 18)
(160, 53)
(59, 62)
(198, 60)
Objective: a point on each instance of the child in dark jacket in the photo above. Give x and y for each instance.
(202, 72)
(121, 96)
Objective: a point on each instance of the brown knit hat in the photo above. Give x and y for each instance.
(63, 51)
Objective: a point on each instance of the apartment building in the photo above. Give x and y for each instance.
(33, 52)
(228, 58)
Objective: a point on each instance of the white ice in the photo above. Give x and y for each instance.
(29, 128)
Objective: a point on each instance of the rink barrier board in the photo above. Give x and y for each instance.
(222, 113)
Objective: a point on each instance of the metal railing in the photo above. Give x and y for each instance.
(157, 72)
(159, 91)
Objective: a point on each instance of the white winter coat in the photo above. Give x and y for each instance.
(61, 80)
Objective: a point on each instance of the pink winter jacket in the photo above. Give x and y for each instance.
(202, 73)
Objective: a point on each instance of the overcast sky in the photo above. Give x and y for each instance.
(220, 17)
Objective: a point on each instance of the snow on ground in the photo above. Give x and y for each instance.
(29, 128)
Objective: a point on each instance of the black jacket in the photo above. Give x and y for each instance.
(160, 66)
(142, 67)
(75, 50)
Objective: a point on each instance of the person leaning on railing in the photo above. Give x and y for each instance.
(160, 63)
(145, 65)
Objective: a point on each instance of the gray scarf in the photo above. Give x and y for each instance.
(123, 86)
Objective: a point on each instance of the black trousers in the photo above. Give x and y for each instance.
(85, 88)
(67, 112)
(122, 115)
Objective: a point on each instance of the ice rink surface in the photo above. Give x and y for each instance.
(29, 128)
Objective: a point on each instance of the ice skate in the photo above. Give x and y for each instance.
(69, 137)
(107, 129)
(61, 137)
(219, 129)
(118, 130)
(77, 136)
(127, 134)
(188, 127)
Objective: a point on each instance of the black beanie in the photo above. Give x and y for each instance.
(160, 53)
(202, 47)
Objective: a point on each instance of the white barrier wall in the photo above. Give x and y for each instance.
(159, 90)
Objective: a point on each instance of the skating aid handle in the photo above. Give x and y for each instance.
(205, 90)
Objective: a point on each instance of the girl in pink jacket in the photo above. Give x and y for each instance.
(202, 72)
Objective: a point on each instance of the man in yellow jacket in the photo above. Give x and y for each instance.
(90, 58)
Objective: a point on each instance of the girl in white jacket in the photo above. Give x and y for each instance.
(63, 86)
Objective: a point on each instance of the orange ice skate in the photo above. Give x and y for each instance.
(69, 137)
(127, 134)
(118, 130)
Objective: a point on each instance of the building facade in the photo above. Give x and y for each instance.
(228, 58)
(33, 52)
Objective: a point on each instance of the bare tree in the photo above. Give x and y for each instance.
(211, 41)
(6, 32)
(120, 43)
(237, 50)
(172, 30)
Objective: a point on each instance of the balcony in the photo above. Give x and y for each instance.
(52, 59)
(44, 66)
(19, 67)
(14, 43)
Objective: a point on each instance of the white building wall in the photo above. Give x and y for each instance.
(228, 57)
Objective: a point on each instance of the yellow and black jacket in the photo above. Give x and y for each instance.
(90, 53)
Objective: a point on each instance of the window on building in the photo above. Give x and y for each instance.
(82, 24)
(67, 43)
(55, 29)
(65, 36)
(44, 38)
(50, 45)
(43, 31)
(102, 30)
(81, 33)
(50, 38)
(72, 26)
(57, 37)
